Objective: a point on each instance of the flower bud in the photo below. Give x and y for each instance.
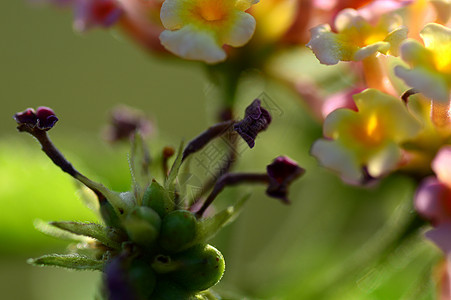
(282, 171)
(256, 119)
(178, 229)
(43, 118)
(202, 266)
(157, 198)
(143, 225)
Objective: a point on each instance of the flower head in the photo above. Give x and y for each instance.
(430, 65)
(197, 29)
(356, 39)
(369, 138)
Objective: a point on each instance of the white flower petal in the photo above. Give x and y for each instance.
(428, 83)
(336, 158)
(242, 30)
(324, 44)
(384, 161)
(170, 14)
(369, 50)
(193, 44)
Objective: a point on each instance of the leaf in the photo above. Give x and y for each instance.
(139, 165)
(93, 230)
(207, 228)
(69, 261)
(53, 231)
(169, 184)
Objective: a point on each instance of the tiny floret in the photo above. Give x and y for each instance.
(197, 29)
(355, 38)
(430, 65)
(366, 142)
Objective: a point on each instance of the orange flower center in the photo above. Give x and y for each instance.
(212, 11)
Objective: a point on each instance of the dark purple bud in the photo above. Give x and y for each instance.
(28, 117)
(116, 279)
(282, 171)
(46, 118)
(256, 119)
(43, 118)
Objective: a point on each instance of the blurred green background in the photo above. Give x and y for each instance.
(333, 242)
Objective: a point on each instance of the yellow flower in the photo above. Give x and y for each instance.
(197, 29)
(356, 39)
(430, 64)
(369, 138)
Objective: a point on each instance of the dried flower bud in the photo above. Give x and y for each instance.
(46, 118)
(282, 171)
(256, 119)
(43, 118)
(125, 121)
(28, 116)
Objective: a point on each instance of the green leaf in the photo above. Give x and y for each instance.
(53, 231)
(139, 166)
(207, 228)
(69, 261)
(93, 230)
(169, 184)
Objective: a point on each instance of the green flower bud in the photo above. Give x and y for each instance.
(157, 198)
(142, 278)
(178, 229)
(168, 290)
(143, 225)
(202, 266)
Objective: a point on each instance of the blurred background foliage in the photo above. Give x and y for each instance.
(333, 242)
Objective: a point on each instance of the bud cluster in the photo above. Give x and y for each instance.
(152, 245)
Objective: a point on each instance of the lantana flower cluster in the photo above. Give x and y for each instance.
(395, 118)
(400, 122)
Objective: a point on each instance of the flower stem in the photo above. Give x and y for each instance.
(231, 179)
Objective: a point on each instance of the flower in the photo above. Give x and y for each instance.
(282, 171)
(356, 39)
(256, 119)
(430, 71)
(197, 29)
(369, 139)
